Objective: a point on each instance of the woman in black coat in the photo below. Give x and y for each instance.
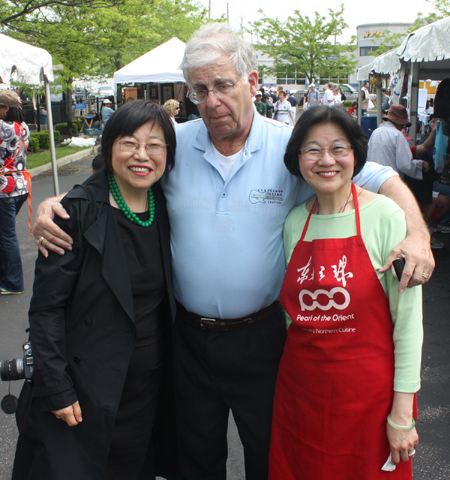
(101, 317)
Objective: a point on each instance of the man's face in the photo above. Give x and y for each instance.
(366, 85)
(258, 98)
(225, 116)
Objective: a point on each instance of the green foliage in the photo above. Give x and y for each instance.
(388, 42)
(34, 143)
(306, 45)
(44, 138)
(63, 130)
(97, 37)
(348, 104)
(443, 9)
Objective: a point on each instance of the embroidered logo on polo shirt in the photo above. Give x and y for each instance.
(267, 196)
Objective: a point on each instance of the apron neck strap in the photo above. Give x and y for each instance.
(355, 201)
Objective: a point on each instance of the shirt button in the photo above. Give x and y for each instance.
(77, 359)
(88, 322)
(224, 195)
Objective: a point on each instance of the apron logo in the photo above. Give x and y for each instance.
(330, 295)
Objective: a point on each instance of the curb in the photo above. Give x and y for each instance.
(65, 160)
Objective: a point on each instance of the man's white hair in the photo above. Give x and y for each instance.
(212, 41)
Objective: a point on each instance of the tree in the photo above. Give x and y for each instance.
(388, 42)
(13, 11)
(91, 42)
(306, 46)
(443, 9)
(394, 40)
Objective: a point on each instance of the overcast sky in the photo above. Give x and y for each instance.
(356, 12)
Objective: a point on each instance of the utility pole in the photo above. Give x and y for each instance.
(228, 13)
(209, 9)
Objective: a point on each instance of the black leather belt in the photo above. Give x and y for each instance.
(227, 325)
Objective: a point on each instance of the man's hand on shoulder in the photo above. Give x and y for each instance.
(47, 234)
(419, 258)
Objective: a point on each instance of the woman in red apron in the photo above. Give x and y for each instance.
(344, 400)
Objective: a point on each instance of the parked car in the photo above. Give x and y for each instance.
(351, 94)
(104, 92)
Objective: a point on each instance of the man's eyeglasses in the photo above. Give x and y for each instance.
(336, 151)
(150, 148)
(221, 90)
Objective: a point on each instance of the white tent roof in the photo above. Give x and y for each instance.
(160, 65)
(429, 46)
(29, 61)
(387, 63)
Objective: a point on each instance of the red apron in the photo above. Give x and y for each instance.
(335, 382)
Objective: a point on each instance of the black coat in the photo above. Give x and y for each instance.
(82, 335)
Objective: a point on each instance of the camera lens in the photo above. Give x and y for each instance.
(12, 370)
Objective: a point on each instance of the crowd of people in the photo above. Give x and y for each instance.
(230, 263)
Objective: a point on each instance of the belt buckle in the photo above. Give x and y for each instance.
(206, 322)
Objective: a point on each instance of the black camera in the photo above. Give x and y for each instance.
(18, 369)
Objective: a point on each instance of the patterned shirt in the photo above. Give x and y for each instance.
(14, 141)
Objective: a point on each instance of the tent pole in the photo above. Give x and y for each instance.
(379, 112)
(51, 135)
(414, 101)
(359, 101)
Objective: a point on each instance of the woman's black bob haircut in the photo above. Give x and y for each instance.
(323, 114)
(128, 118)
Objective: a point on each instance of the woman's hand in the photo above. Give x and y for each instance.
(402, 444)
(71, 415)
(47, 234)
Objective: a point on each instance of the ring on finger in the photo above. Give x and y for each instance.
(411, 453)
(41, 239)
(426, 276)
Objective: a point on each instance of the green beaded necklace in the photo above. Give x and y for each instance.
(132, 217)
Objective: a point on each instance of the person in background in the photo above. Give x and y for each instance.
(283, 109)
(172, 107)
(101, 319)
(313, 96)
(430, 106)
(260, 105)
(337, 95)
(107, 111)
(272, 93)
(388, 146)
(14, 189)
(353, 110)
(365, 89)
(385, 100)
(293, 101)
(328, 95)
(364, 102)
(351, 364)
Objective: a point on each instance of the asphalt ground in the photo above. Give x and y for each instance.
(432, 461)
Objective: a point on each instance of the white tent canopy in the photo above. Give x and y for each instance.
(388, 63)
(160, 65)
(31, 63)
(425, 53)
